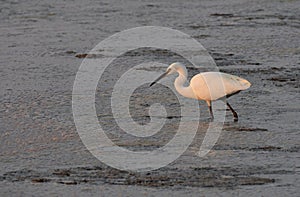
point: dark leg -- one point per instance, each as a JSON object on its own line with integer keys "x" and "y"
{"x": 235, "y": 116}
{"x": 210, "y": 110}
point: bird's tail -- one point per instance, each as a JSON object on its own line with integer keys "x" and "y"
{"x": 244, "y": 83}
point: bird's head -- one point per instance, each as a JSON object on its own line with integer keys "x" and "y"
{"x": 173, "y": 68}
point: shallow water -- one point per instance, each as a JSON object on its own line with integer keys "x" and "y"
{"x": 41, "y": 152}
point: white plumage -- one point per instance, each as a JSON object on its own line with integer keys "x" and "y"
{"x": 207, "y": 86}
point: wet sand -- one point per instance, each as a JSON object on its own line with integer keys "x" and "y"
{"x": 42, "y": 46}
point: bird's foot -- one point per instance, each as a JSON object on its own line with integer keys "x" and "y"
{"x": 235, "y": 119}
{"x": 212, "y": 119}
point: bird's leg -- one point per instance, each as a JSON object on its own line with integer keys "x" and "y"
{"x": 235, "y": 116}
{"x": 210, "y": 110}
{"x": 211, "y": 113}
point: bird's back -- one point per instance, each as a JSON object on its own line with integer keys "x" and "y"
{"x": 211, "y": 86}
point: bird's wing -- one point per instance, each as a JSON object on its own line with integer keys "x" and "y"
{"x": 216, "y": 85}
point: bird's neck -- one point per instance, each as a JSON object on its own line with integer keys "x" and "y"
{"x": 185, "y": 91}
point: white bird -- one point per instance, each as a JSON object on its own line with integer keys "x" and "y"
{"x": 207, "y": 86}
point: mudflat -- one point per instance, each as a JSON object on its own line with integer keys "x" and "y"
{"x": 43, "y": 45}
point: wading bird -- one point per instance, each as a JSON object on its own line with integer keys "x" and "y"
{"x": 207, "y": 86}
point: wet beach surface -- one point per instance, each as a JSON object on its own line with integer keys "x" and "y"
{"x": 43, "y": 45}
